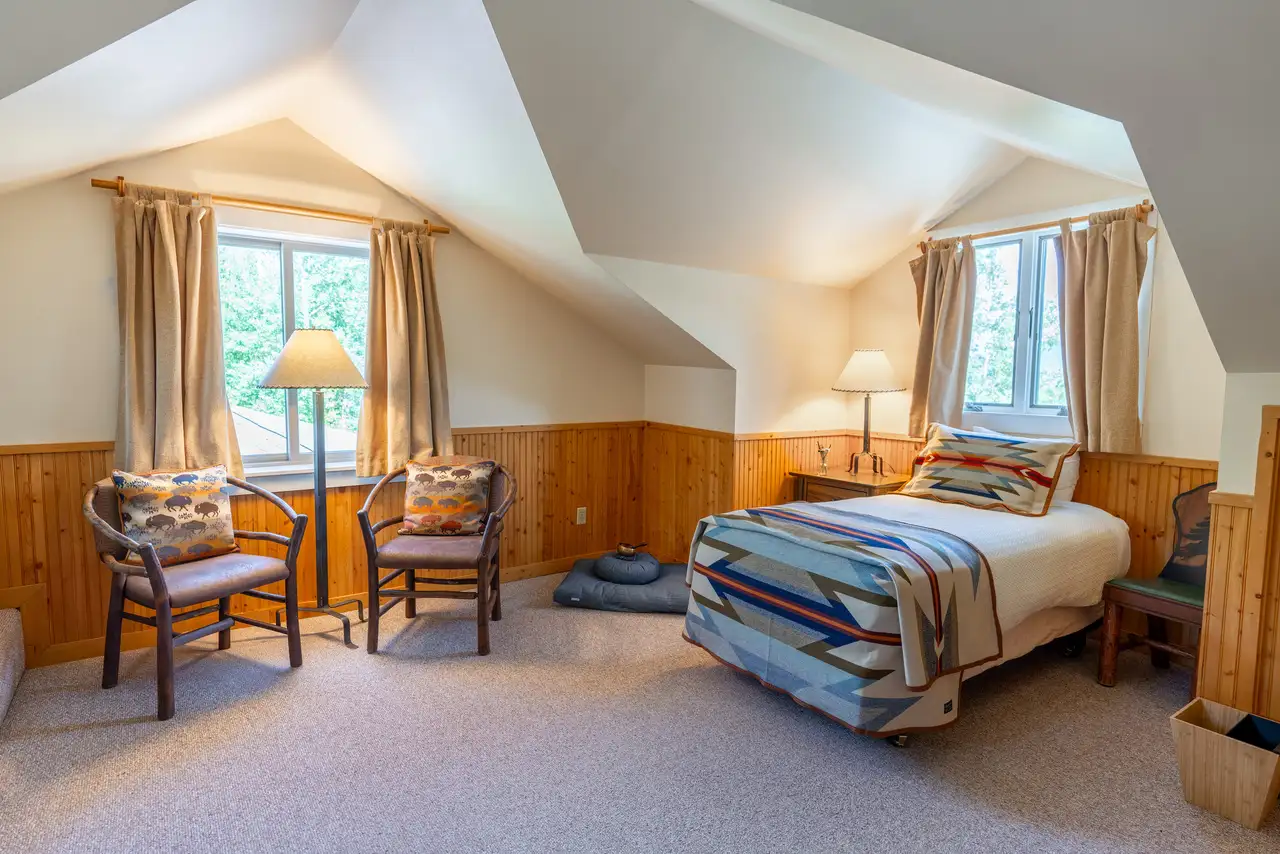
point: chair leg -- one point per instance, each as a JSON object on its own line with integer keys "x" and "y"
{"x": 292, "y": 623}
{"x": 1110, "y": 645}
{"x": 164, "y": 661}
{"x": 115, "y": 618}
{"x": 375, "y": 607}
{"x": 1158, "y": 630}
{"x": 482, "y": 611}
{"x": 497, "y": 590}
{"x": 410, "y": 583}
{"x": 224, "y": 610}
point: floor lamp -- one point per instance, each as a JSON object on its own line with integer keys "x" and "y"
{"x": 314, "y": 359}
{"x": 868, "y": 372}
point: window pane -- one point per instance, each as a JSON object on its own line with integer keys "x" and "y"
{"x": 1050, "y": 387}
{"x": 332, "y": 292}
{"x": 995, "y": 324}
{"x": 252, "y": 337}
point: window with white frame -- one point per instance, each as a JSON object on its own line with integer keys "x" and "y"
{"x": 269, "y": 287}
{"x": 1015, "y": 353}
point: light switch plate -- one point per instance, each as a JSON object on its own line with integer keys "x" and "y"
{"x": 582, "y": 516}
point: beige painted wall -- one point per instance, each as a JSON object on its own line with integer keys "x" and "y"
{"x": 787, "y": 342}
{"x": 1246, "y": 394}
{"x": 692, "y": 397}
{"x": 515, "y": 354}
{"x": 1185, "y": 381}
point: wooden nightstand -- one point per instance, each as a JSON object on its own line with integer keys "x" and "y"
{"x": 835, "y": 485}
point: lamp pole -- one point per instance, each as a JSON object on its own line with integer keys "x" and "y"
{"x": 323, "y": 605}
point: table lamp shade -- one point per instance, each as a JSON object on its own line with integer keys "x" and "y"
{"x": 313, "y": 358}
{"x": 868, "y": 372}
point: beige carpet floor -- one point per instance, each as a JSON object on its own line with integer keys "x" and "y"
{"x": 583, "y": 732}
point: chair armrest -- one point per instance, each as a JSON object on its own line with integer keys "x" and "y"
{"x": 278, "y": 539}
{"x": 378, "y": 487}
{"x": 100, "y": 525}
{"x": 493, "y": 524}
{"x": 280, "y": 503}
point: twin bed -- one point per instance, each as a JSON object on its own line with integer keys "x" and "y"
{"x": 872, "y": 611}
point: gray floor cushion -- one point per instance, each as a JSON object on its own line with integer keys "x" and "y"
{"x": 582, "y": 588}
{"x": 641, "y": 569}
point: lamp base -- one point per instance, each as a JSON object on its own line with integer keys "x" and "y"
{"x": 331, "y": 610}
{"x": 877, "y": 462}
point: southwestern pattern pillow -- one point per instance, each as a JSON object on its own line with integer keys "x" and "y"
{"x": 989, "y": 470}
{"x": 446, "y": 495}
{"x": 185, "y": 515}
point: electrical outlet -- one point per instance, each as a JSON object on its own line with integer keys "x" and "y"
{"x": 582, "y": 516}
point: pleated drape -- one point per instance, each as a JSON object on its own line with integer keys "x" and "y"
{"x": 406, "y": 406}
{"x": 1103, "y": 266}
{"x": 945, "y": 278}
{"x": 173, "y": 414}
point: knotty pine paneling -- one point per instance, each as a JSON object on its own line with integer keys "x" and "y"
{"x": 761, "y": 463}
{"x": 44, "y": 539}
{"x": 688, "y": 474}
{"x": 1224, "y": 603}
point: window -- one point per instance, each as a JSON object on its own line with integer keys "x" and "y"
{"x": 1015, "y": 353}
{"x": 269, "y": 288}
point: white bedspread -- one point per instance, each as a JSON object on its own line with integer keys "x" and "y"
{"x": 1060, "y": 559}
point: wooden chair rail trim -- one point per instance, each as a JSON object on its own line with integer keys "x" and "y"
{"x": 1231, "y": 499}
{"x": 55, "y": 448}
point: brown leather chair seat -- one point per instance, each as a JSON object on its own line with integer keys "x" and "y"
{"x": 411, "y": 551}
{"x": 209, "y": 578}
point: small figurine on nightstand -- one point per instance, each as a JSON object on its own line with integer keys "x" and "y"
{"x": 822, "y": 454}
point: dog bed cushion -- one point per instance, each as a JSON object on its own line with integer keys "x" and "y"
{"x": 641, "y": 569}
{"x": 582, "y": 588}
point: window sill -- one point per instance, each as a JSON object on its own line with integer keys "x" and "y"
{"x": 1020, "y": 424}
{"x": 300, "y": 477}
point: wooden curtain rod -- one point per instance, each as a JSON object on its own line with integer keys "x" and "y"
{"x": 1142, "y": 210}
{"x": 274, "y": 207}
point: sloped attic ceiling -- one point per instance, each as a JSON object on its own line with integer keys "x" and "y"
{"x": 733, "y": 135}
{"x": 39, "y": 38}
{"x": 1194, "y": 85}
{"x": 676, "y": 135}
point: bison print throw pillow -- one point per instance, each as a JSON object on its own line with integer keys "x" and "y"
{"x": 185, "y": 515}
{"x": 446, "y": 495}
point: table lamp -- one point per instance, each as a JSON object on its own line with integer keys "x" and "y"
{"x": 868, "y": 372}
{"x": 314, "y": 359}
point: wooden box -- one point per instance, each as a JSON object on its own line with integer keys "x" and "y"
{"x": 1236, "y": 780}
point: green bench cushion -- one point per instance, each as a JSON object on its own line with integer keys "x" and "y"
{"x": 1174, "y": 591}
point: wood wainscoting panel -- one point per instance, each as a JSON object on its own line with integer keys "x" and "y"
{"x": 688, "y": 474}
{"x": 44, "y": 539}
{"x": 1220, "y": 650}
{"x": 1140, "y": 490}
{"x": 761, "y": 462}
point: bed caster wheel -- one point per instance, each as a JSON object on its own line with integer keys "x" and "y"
{"x": 1073, "y": 645}
{"x": 898, "y": 741}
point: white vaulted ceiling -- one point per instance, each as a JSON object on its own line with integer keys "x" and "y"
{"x": 739, "y": 136}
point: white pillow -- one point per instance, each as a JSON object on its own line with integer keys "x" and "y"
{"x": 1067, "y": 480}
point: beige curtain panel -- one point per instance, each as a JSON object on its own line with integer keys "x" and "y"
{"x": 945, "y": 277}
{"x": 174, "y": 414}
{"x": 406, "y": 406}
{"x": 1103, "y": 266}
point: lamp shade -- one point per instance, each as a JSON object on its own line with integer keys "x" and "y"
{"x": 313, "y": 358}
{"x": 868, "y": 372}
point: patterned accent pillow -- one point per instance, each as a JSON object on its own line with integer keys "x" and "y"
{"x": 446, "y": 495}
{"x": 989, "y": 470}
{"x": 185, "y": 515}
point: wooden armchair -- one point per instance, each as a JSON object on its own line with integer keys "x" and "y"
{"x": 163, "y": 589}
{"x": 409, "y": 555}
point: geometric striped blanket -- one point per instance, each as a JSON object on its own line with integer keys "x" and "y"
{"x": 867, "y": 620}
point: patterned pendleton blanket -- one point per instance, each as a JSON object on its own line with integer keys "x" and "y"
{"x": 867, "y": 620}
